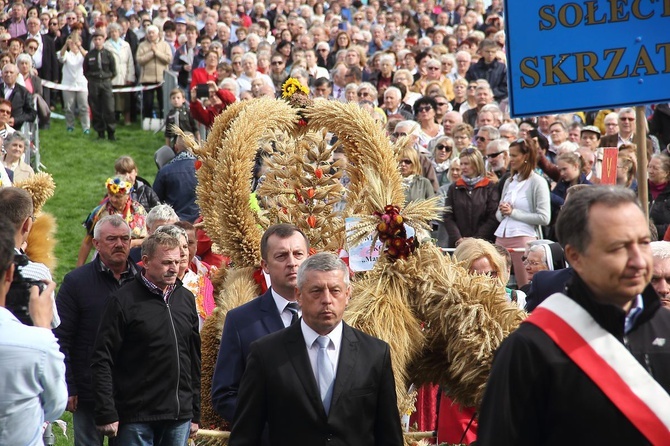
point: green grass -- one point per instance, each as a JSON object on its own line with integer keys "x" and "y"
{"x": 80, "y": 165}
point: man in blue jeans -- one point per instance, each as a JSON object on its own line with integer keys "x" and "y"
{"x": 146, "y": 360}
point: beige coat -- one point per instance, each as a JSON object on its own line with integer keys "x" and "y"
{"x": 153, "y": 64}
{"x": 125, "y": 66}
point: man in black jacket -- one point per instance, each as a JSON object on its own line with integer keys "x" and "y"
{"x": 490, "y": 69}
{"x": 81, "y": 300}
{"x": 21, "y": 99}
{"x": 146, "y": 360}
{"x": 100, "y": 68}
{"x": 584, "y": 367}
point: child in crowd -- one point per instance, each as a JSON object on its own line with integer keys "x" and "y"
{"x": 180, "y": 116}
{"x": 142, "y": 191}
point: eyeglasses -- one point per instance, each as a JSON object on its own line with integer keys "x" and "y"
{"x": 162, "y": 10}
{"x": 481, "y": 138}
{"x": 362, "y": 94}
{"x": 276, "y": 62}
{"x": 322, "y": 50}
{"x": 237, "y": 63}
{"x": 531, "y": 262}
{"x": 53, "y": 24}
{"x": 472, "y": 87}
{"x": 493, "y": 155}
{"x": 443, "y": 147}
{"x": 34, "y": 48}
{"x": 441, "y": 104}
{"x": 70, "y": 18}
{"x": 5, "y": 111}
{"x": 398, "y": 134}
{"x": 433, "y": 68}
{"x": 408, "y": 162}
{"x": 424, "y": 108}
{"x": 626, "y": 119}
{"x": 358, "y": 18}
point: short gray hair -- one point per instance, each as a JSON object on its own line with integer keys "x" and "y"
{"x": 492, "y": 131}
{"x": 572, "y": 225}
{"x": 322, "y": 261}
{"x": 499, "y": 145}
{"x": 660, "y": 250}
{"x": 115, "y": 220}
{"x": 25, "y": 57}
{"x": 114, "y": 27}
{"x": 17, "y": 136}
{"x": 162, "y": 212}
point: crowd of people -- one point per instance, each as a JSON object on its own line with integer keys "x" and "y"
{"x": 432, "y": 74}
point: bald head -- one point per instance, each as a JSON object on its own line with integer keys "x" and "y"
{"x": 451, "y": 119}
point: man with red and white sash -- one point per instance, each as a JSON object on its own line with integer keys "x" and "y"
{"x": 593, "y": 366}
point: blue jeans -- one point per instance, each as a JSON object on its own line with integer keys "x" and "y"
{"x": 155, "y": 433}
{"x": 85, "y": 433}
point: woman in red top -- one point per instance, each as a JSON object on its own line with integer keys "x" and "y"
{"x": 208, "y": 72}
{"x": 205, "y": 110}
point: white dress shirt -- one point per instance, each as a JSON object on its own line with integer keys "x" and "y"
{"x": 313, "y": 348}
{"x": 281, "y": 304}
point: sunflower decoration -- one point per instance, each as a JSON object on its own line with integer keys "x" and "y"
{"x": 303, "y": 187}
{"x": 298, "y": 96}
{"x": 118, "y": 185}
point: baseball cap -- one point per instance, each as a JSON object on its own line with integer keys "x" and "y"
{"x": 592, "y": 129}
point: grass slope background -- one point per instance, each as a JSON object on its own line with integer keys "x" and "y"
{"x": 80, "y": 165}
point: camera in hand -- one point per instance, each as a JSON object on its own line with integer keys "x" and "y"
{"x": 202, "y": 91}
{"x": 18, "y": 297}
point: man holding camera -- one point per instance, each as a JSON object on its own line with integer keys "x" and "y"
{"x": 32, "y": 372}
{"x": 17, "y": 205}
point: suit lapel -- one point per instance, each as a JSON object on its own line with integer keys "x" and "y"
{"x": 271, "y": 318}
{"x": 297, "y": 352}
{"x": 346, "y": 363}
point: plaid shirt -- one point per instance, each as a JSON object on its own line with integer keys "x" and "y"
{"x": 154, "y": 289}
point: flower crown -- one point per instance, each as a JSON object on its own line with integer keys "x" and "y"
{"x": 118, "y": 185}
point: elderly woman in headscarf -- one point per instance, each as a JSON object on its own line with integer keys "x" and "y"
{"x": 542, "y": 255}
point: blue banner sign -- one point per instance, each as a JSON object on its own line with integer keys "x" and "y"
{"x": 567, "y": 56}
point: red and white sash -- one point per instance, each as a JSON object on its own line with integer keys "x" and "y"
{"x": 608, "y": 363}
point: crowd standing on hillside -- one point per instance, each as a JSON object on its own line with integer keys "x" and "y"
{"x": 432, "y": 74}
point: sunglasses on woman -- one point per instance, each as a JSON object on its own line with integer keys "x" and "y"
{"x": 443, "y": 147}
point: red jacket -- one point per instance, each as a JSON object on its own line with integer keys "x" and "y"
{"x": 206, "y": 115}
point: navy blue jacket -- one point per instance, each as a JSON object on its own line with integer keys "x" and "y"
{"x": 546, "y": 283}
{"x": 175, "y": 185}
{"x": 244, "y": 325}
{"x": 81, "y": 300}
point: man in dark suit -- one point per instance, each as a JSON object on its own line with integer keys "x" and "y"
{"x": 45, "y": 57}
{"x": 319, "y": 381}
{"x": 283, "y": 249}
{"x": 22, "y": 101}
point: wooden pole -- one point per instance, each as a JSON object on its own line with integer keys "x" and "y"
{"x": 641, "y": 142}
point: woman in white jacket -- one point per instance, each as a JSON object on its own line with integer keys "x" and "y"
{"x": 125, "y": 69}
{"x": 75, "y": 96}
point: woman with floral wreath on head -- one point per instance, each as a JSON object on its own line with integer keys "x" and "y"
{"x": 117, "y": 201}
